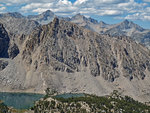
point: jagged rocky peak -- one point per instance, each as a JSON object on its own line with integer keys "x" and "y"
{"x": 126, "y": 21}
{"x": 48, "y": 13}
{"x": 78, "y": 17}
{"x": 125, "y": 28}
{"x": 93, "y": 20}
{"x": 12, "y": 14}
{"x": 126, "y": 24}
{"x": 17, "y": 24}
{"x": 4, "y": 42}
{"x": 44, "y": 14}
{"x": 102, "y": 24}
{"x": 43, "y": 18}
{"x": 81, "y": 19}
{"x": 72, "y": 47}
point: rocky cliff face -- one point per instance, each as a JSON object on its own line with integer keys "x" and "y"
{"x": 69, "y": 58}
{"x": 66, "y": 57}
{"x": 75, "y": 47}
{"x": 4, "y": 42}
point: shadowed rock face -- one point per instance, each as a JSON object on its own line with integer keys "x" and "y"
{"x": 3, "y": 64}
{"x": 4, "y": 42}
{"x": 13, "y": 50}
{"x": 72, "y": 48}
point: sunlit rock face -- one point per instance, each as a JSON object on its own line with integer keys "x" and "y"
{"x": 66, "y": 57}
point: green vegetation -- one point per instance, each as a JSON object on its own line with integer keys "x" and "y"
{"x": 3, "y": 108}
{"x": 113, "y": 103}
{"x": 50, "y": 92}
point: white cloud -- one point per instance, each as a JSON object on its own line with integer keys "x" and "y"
{"x": 137, "y": 16}
{"x": 116, "y": 8}
{"x": 79, "y": 2}
{"x": 34, "y": 6}
{"x": 146, "y": 0}
{"x": 108, "y": 7}
{"x": 2, "y": 8}
{"x": 64, "y": 2}
{"x": 26, "y": 1}
{"x": 146, "y": 17}
{"x": 111, "y": 12}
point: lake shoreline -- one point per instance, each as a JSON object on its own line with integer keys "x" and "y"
{"x": 19, "y": 100}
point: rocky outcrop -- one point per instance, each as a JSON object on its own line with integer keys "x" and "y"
{"x": 13, "y": 50}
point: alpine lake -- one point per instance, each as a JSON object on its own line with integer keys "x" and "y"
{"x": 27, "y": 100}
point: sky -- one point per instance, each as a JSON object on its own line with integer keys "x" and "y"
{"x": 109, "y": 11}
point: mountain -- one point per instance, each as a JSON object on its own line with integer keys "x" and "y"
{"x": 43, "y": 18}
{"x": 128, "y": 28}
{"x": 125, "y": 28}
{"x": 87, "y": 23}
{"x": 15, "y": 23}
{"x": 103, "y": 24}
{"x": 82, "y": 19}
{"x": 66, "y": 57}
{"x": 69, "y": 58}
{"x": 13, "y": 14}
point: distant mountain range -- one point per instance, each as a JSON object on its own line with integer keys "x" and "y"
{"x": 75, "y": 54}
{"x": 125, "y": 28}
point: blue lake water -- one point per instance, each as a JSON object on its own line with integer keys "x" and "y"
{"x": 20, "y": 100}
{"x": 70, "y": 95}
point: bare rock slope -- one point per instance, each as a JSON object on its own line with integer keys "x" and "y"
{"x": 69, "y": 58}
